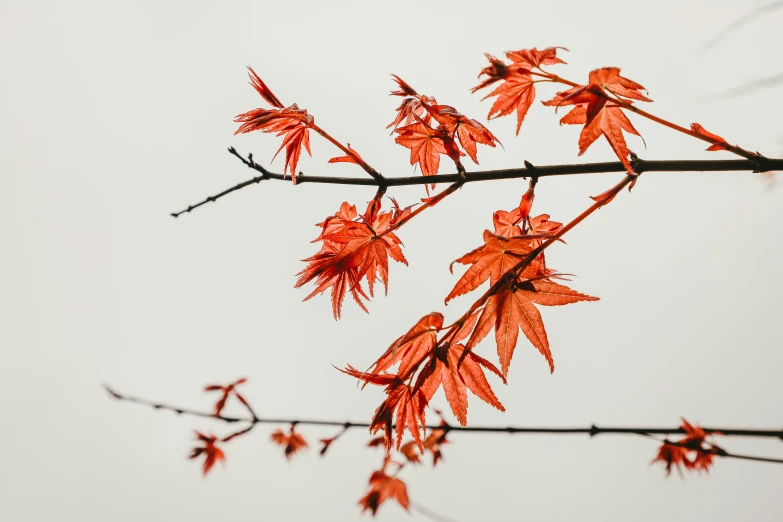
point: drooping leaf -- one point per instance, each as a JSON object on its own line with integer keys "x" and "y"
{"x": 292, "y": 441}
{"x": 458, "y": 370}
{"x": 403, "y": 408}
{"x": 382, "y": 488}
{"x": 355, "y": 248}
{"x": 693, "y": 452}
{"x": 513, "y": 308}
{"x": 410, "y": 349}
{"x": 212, "y": 454}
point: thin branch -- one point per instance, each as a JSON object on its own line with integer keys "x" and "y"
{"x": 715, "y": 450}
{"x": 749, "y": 87}
{"x": 429, "y": 513}
{"x": 348, "y": 152}
{"x": 739, "y": 22}
{"x": 591, "y": 430}
{"x": 742, "y": 165}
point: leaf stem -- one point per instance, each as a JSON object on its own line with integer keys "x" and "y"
{"x": 363, "y": 164}
{"x": 431, "y": 202}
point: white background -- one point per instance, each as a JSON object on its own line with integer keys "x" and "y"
{"x": 114, "y": 114}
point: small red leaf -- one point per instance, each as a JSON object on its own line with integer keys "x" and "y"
{"x": 720, "y": 142}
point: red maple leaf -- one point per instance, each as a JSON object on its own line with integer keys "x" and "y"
{"x": 721, "y": 145}
{"x": 412, "y": 348}
{"x": 513, "y": 308}
{"x": 209, "y": 449}
{"x": 533, "y": 58}
{"x": 693, "y": 452}
{"x": 382, "y": 488}
{"x": 354, "y": 248}
{"x": 292, "y": 441}
{"x": 412, "y": 105}
{"x": 517, "y": 90}
{"x": 467, "y": 131}
{"x": 491, "y": 261}
{"x": 226, "y": 392}
{"x": 290, "y": 122}
{"x": 426, "y": 145}
{"x": 507, "y": 224}
{"x": 457, "y": 370}
{"x": 403, "y": 407}
{"x": 432, "y": 443}
{"x": 427, "y": 142}
{"x": 596, "y": 109}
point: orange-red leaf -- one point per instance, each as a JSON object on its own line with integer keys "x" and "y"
{"x": 513, "y": 308}
{"x": 259, "y": 85}
{"x": 353, "y": 249}
{"x": 596, "y": 109}
{"x": 426, "y": 146}
{"x": 533, "y": 58}
{"x": 212, "y": 454}
{"x": 382, "y": 488}
{"x": 720, "y": 142}
{"x": 292, "y": 441}
{"x": 225, "y": 393}
{"x": 693, "y": 452}
{"x": 490, "y": 261}
{"x": 290, "y": 122}
{"x": 517, "y": 92}
{"x": 466, "y": 130}
{"x": 457, "y": 371}
{"x": 403, "y": 407}
{"x": 410, "y": 349}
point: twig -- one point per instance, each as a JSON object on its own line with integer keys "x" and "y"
{"x": 429, "y": 513}
{"x": 739, "y": 22}
{"x": 607, "y": 167}
{"x": 591, "y": 430}
{"x": 749, "y": 87}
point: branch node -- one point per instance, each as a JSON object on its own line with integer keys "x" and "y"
{"x": 637, "y": 163}
{"x": 762, "y": 162}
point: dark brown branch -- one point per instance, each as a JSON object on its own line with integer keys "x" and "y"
{"x": 765, "y": 165}
{"x": 592, "y": 430}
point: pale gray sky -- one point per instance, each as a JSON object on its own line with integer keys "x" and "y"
{"x": 114, "y": 114}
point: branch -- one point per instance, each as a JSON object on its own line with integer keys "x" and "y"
{"x": 591, "y": 430}
{"x": 739, "y": 22}
{"x": 490, "y": 175}
{"x": 749, "y": 87}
